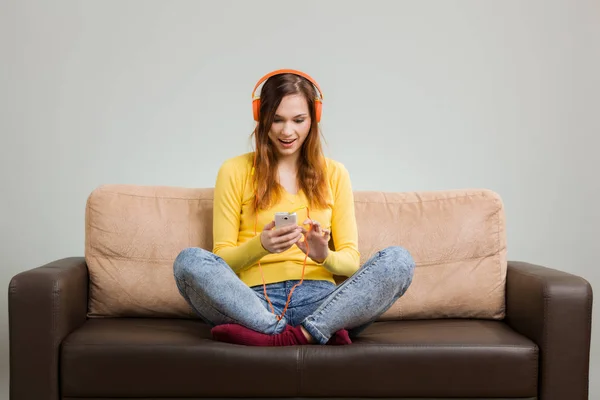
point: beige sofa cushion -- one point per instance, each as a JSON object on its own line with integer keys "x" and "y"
{"x": 457, "y": 238}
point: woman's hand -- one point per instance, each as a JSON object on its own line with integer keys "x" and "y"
{"x": 281, "y": 239}
{"x": 318, "y": 241}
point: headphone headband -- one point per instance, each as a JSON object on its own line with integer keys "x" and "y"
{"x": 256, "y": 99}
{"x": 287, "y": 71}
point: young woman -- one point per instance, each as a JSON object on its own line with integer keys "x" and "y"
{"x": 268, "y": 286}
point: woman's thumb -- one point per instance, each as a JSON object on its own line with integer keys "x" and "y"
{"x": 269, "y": 226}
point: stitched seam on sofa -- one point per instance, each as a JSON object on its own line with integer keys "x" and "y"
{"x": 423, "y": 264}
{"x": 299, "y": 375}
{"x": 438, "y": 262}
{"x": 474, "y": 195}
{"x": 154, "y": 260}
{"x": 498, "y": 250}
{"x": 189, "y": 226}
{"x": 545, "y": 332}
{"x": 55, "y": 313}
{"x": 450, "y": 346}
{"x": 537, "y": 276}
{"x": 88, "y": 232}
{"x": 535, "y": 373}
{"x": 386, "y": 345}
{"x": 545, "y": 298}
{"x": 158, "y": 196}
{"x": 426, "y": 201}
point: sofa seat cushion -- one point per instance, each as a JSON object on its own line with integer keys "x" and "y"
{"x": 177, "y": 358}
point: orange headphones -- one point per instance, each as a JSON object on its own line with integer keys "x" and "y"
{"x": 256, "y": 99}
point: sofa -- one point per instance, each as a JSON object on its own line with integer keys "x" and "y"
{"x": 110, "y": 324}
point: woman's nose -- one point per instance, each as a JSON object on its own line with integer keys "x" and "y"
{"x": 287, "y": 129}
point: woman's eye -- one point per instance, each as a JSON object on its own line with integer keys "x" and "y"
{"x": 298, "y": 121}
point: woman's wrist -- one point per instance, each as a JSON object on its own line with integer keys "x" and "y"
{"x": 321, "y": 260}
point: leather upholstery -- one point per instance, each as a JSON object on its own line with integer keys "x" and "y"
{"x": 540, "y": 351}
{"x": 169, "y": 357}
{"x": 45, "y": 305}
{"x": 554, "y": 309}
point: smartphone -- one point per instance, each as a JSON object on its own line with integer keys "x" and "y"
{"x": 284, "y": 219}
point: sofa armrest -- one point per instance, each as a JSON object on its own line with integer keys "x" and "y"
{"x": 45, "y": 304}
{"x": 554, "y": 309}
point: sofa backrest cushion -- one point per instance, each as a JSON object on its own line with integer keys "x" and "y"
{"x": 457, "y": 238}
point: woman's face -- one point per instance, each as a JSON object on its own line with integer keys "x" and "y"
{"x": 291, "y": 126}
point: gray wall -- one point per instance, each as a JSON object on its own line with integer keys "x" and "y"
{"x": 419, "y": 95}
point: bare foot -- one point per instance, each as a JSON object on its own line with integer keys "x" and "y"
{"x": 307, "y": 335}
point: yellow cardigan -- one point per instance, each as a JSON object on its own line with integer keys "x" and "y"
{"x": 233, "y": 227}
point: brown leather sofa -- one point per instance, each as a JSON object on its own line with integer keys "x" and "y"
{"x": 538, "y": 350}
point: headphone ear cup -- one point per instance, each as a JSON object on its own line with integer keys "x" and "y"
{"x": 318, "y": 108}
{"x": 255, "y": 108}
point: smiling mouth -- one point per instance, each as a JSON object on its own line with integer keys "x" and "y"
{"x": 287, "y": 141}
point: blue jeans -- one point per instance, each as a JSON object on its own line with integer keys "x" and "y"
{"x": 218, "y": 296}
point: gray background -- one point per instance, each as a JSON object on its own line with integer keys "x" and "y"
{"x": 419, "y": 95}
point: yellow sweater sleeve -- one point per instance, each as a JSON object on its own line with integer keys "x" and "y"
{"x": 345, "y": 260}
{"x": 228, "y": 195}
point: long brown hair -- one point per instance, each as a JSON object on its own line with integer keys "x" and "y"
{"x": 311, "y": 175}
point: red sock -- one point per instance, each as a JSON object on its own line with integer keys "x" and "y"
{"x": 238, "y": 334}
{"x": 340, "y": 338}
